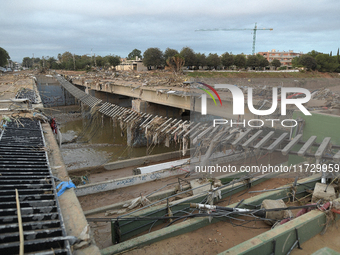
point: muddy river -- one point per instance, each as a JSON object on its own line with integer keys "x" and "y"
{"x": 92, "y": 140}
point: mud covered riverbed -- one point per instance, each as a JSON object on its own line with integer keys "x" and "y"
{"x": 90, "y": 141}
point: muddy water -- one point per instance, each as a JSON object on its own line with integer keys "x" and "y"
{"x": 99, "y": 140}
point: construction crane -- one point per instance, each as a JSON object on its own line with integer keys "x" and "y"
{"x": 230, "y": 29}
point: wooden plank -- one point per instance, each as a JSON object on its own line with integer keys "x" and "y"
{"x": 322, "y": 148}
{"x": 241, "y": 137}
{"x": 252, "y": 139}
{"x": 306, "y": 146}
{"x": 277, "y": 142}
{"x": 291, "y": 144}
{"x": 264, "y": 140}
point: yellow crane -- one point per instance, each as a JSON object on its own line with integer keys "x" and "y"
{"x": 230, "y": 29}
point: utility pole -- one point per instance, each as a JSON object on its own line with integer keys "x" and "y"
{"x": 74, "y": 63}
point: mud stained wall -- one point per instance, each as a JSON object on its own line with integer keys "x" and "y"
{"x": 52, "y": 94}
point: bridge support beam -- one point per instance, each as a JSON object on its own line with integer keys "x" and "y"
{"x": 156, "y": 109}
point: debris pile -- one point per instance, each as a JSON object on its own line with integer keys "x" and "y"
{"x": 332, "y": 98}
{"x": 29, "y": 94}
{"x": 149, "y": 79}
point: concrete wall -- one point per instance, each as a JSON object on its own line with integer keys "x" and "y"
{"x": 52, "y": 93}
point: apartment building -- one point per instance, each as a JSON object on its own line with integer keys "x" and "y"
{"x": 285, "y": 57}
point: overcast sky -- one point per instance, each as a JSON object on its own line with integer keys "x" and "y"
{"x": 46, "y": 28}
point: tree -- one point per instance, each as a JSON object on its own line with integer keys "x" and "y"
{"x": 85, "y": 62}
{"x": 66, "y": 57}
{"x": 201, "y": 60}
{"x": 227, "y": 59}
{"x": 296, "y": 62}
{"x": 50, "y": 62}
{"x": 189, "y": 56}
{"x": 313, "y": 53}
{"x": 100, "y": 61}
{"x": 175, "y": 63}
{"x": 308, "y": 61}
{"x": 113, "y": 60}
{"x": 168, "y": 53}
{"x": 153, "y": 57}
{"x": 338, "y": 57}
{"x": 253, "y": 61}
{"x": 4, "y": 57}
{"x": 67, "y": 60}
{"x": 276, "y": 63}
{"x": 135, "y": 53}
{"x": 326, "y": 63}
{"x": 240, "y": 61}
{"x": 213, "y": 60}
{"x": 263, "y": 61}
{"x": 27, "y": 62}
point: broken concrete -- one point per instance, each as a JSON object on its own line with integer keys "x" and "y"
{"x": 274, "y": 215}
{"x": 323, "y": 191}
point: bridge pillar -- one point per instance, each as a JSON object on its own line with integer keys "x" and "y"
{"x": 128, "y": 135}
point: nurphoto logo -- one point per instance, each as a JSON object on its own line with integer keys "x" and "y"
{"x": 238, "y": 104}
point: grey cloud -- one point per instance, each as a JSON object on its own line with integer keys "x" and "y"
{"x": 116, "y": 27}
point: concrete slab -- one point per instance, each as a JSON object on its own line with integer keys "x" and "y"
{"x": 320, "y": 192}
{"x": 197, "y": 183}
{"x": 142, "y": 160}
{"x": 274, "y": 215}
